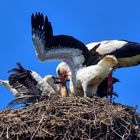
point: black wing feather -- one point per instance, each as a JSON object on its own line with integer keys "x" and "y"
{"x": 41, "y": 27}
{"x": 103, "y": 88}
{"x": 128, "y": 50}
{"x": 24, "y": 82}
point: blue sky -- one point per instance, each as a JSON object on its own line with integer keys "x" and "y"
{"x": 86, "y": 20}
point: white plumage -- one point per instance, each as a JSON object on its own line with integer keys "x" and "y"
{"x": 89, "y": 78}
{"x": 6, "y": 84}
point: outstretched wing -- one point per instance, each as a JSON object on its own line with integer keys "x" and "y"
{"x": 24, "y": 82}
{"x": 45, "y": 43}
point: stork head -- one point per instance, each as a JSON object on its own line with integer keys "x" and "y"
{"x": 63, "y": 72}
{"x": 53, "y": 82}
{"x": 50, "y": 47}
{"x": 50, "y": 79}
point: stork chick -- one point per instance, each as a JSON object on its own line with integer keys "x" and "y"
{"x": 27, "y": 85}
{"x": 63, "y": 75}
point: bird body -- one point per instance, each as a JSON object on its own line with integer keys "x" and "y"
{"x": 64, "y": 48}
{"x": 126, "y": 52}
{"x": 90, "y": 77}
{"x": 100, "y": 90}
{"x": 28, "y": 86}
{"x": 30, "y": 83}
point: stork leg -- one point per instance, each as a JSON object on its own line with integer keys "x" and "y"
{"x": 110, "y": 86}
{"x": 67, "y": 92}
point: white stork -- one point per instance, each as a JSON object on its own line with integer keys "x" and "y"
{"x": 29, "y": 82}
{"x": 27, "y": 85}
{"x": 63, "y": 72}
{"x": 49, "y": 47}
{"x": 34, "y": 96}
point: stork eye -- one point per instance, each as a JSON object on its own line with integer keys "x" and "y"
{"x": 59, "y": 73}
{"x": 53, "y": 77}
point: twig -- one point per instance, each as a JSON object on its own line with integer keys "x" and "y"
{"x": 7, "y": 133}
{"x": 38, "y": 126}
{"x": 116, "y": 133}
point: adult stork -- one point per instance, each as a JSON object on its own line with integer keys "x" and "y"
{"x": 67, "y": 49}
{"x": 126, "y": 52}
{"x": 63, "y": 72}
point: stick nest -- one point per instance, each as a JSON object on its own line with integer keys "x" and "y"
{"x": 71, "y": 118}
